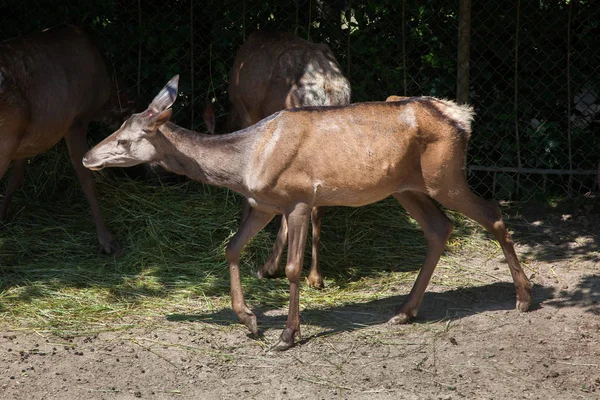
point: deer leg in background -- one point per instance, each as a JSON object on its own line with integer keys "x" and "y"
{"x": 437, "y": 228}
{"x": 462, "y": 199}
{"x": 271, "y": 267}
{"x": 8, "y": 146}
{"x": 598, "y": 176}
{"x": 4, "y": 164}
{"x": 297, "y": 231}
{"x": 255, "y": 221}
{"x": 315, "y": 279}
{"x": 245, "y": 210}
{"x": 77, "y": 144}
{"x": 14, "y": 182}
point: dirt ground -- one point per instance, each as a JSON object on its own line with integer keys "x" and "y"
{"x": 466, "y": 343}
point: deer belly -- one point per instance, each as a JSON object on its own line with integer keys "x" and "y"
{"x": 350, "y": 197}
{"x": 37, "y": 142}
{"x": 355, "y": 187}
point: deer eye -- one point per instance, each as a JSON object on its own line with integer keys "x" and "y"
{"x": 122, "y": 142}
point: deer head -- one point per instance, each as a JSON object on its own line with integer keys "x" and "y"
{"x": 133, "y": 143}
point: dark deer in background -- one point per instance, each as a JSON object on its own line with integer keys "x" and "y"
{"x": 52, "y": 84}
{"x": 271, "y": 72}
{"x": 413, "y": 149}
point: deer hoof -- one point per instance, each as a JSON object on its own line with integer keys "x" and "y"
{"x": 249, "y": 319}
{"x": 399, "y": 319}
{"x": 524, "y": 298}
{"x": 268, "y": 271}
{"x": 403, "y": 316}
{"x": 315, "y": 282}
{"x": 523, "y": 306}
{"x": 112, "y": 249}
{"x": 110, "y": 246}
{"x": 286, "y": 340}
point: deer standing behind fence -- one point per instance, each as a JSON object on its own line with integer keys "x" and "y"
{"x": 296, "y": 159}
{"x": 271, "y": 72}
{"x": 52, "y": 84}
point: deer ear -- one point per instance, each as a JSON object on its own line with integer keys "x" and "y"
{"x": 166, "y": 97}
{"x": 209, "y": 116}
{"x": 157, "y": 120}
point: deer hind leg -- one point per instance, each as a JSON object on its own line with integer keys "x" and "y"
{"x": 255, "y": 221}
{"x": 462, "y": 199}
{"x": 77, "y": 144}
{"x": 298, "y": 227}
{"x": 315, "y": 279}
{"x": 437, "y": 228}
{"x": 14, "y": 182}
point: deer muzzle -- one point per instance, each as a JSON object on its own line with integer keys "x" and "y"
{"x": 91, "y": 163}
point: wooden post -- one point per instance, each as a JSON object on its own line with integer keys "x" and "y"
{"x": 464, "y": 47}
{"x": 516, "y": 93}
{"x": 139, "y": 69}
{"x": 404, "y": 72}
{"x": 192, "y": 105}
{"x": 348, "y": 20}
{"x": 569, "y": 99}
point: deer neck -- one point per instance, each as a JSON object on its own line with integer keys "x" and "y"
{"x": 218, "y": 160}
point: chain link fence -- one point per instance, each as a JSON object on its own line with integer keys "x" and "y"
{"x": 534, "y": 82}
{"x": 532, "y": 73}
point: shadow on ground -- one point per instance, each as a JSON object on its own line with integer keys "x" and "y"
{"x": 559, "y": 230}
{"x": 586, "y": 294}
{"x": 451, "y": 304}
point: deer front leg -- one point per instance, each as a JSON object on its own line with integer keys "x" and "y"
{"x": 16, "y": 179}
{"x": 297, "y": 230}
{"x": 252, "y": 224}
{"x": 77, "y": 144}
{"x": 437, "y": 228}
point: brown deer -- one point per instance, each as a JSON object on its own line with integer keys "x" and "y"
{"x": 52, "y": 84}
{"x": 300, "y": 158}
{"x": 273, "y": 71}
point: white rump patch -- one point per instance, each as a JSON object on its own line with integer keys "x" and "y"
{"x": 462, "y": 114}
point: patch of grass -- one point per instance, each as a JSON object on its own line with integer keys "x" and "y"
{"x": 52, "y": 277}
